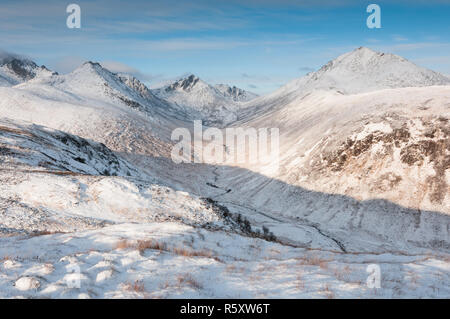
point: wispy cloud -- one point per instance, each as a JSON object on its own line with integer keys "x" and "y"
{"x": 66, "y": 64}
{"x": 118, "y": 67}
{"x": 399, "y": 38}
{"x": 5, "y": 55}
{"x": 417, "y": 46}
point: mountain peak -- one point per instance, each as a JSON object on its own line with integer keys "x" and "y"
{"x": 90, "y": 65}
{"x": 15, "y": 69}
{"x": 235, "y": 93}
{"x": 92, "y": 70}
{"x": 364, "y": 70}
{"x": 362, "y": 48}
{"x": 186, "y": 83}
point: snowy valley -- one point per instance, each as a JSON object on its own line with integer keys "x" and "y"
{"x": 92, "y": 205}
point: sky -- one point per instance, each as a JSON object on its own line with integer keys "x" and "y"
{"x": 258, "y": 45}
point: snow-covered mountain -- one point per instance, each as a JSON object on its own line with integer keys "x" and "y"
{"x": 365, "y": 70}
{"x": 369, "y": 126}
{"x": 15, "y": 70}
{"x": 91, "y": 80}
{"x": 376, "y": 163}
{"x": 235, "y": 93}
{"x": 95, "y": 104}
{"x": 215, "y": 105}
{"x": 86, "y": 179}
{"x": 359, "y": 71}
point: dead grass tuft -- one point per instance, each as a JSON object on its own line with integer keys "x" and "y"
{"x": 328, "y": 293}
{"x": 191, "y": 253}
{"x": 44, "y": 233}
{"x": 187, "y": 279}
{"x": 123, "y": 244}
{"x": 138, "y": 286}
{"x": 142, "y": 245}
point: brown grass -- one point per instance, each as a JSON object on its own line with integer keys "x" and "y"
{"x": 164, "y": 285}
{"x": 342, "y": 273}
{"x": 15, "y": 131}
{"x": 313, "y": 260}
{"x": 143, "y": 245}
{"x": 191, "y": 253}
{"x": 187, "y": 279}
{"x": 5, "y": 258}
{"x": 328, "y": 293}
{"x": 299, "y": 282}
{"x": 44, "y": 233}
{"x": 123, "y": 244}
{"x": 138, "y": 286}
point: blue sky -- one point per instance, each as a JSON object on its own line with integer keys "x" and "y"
{"x": 258, "y": 45}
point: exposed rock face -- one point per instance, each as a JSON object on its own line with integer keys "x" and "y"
{"x": 235, "y": 93}
{"x": 14, "y": 70}
{"x": 185, "y": 84}
{"x": 417, "y": 144}
{"x": 136, "y": 86}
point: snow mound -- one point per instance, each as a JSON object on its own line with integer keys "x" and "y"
{"x": 27, "y": 283}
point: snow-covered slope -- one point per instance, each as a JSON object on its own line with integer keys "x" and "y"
{"x": 31, "y": 147}
{"x": 15, "y": 70}
{"x": 354, "y": 155}
{"x": 58, "y": 176}
{"x": 359, "y": 71}
{"x": 215, "y": 105}
{"x": 368, "y": 125}
{"x": 170, "y": 260}
{"x": 376, "y": 163}
{"x": 72, "y": 232}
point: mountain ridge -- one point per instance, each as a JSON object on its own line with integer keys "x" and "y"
{"x": 15, "y": 70}
{"x": 364, "y": 70}
{"x": 211, "y": 104}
